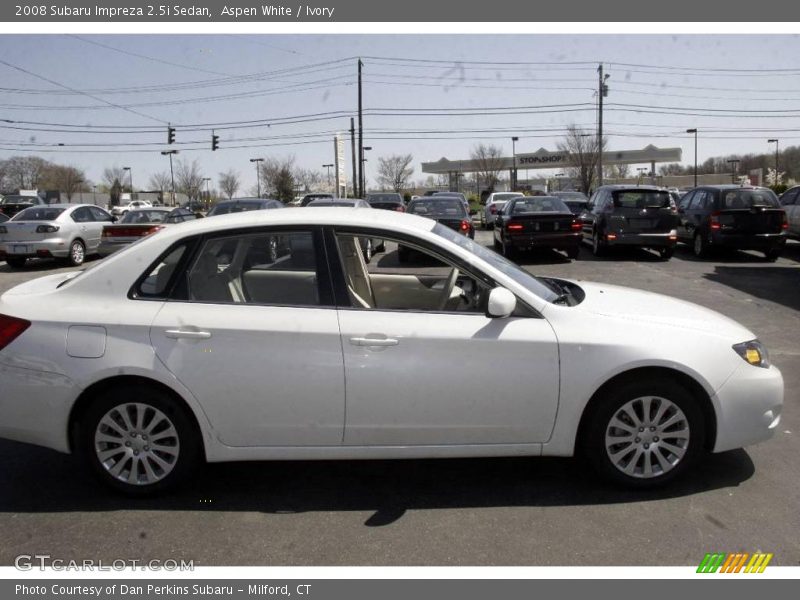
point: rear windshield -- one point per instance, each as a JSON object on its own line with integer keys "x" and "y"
{"x": 145, "y": 216}
{"x": 224, "y": 209}
{"x": 733, "y": 199}
{"x": 326, "y": 202}
{"x": 441, "y": 207}
{"x": 641, "y": 199}
{"x": 38, "y": 213}
{"x": 576, "y": 206}
{"x": 20, "y": 200}
{"x": 535, "y": 204}
{"x": 504, "y": 197}
{"x": 384, "y": 198}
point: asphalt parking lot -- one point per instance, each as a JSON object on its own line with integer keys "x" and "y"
{"x": 452, "y": 512}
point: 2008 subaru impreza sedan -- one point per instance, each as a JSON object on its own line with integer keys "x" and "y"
{"x": 266, "y": 336}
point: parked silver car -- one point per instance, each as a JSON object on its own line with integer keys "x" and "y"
{"x": 494, "y": 204}
{"x": 790, "y": 200}
{"x": 66, "y": 231}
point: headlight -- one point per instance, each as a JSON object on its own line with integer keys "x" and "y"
{"x": 753, "y": 352}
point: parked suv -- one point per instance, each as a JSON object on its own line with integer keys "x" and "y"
{"x": 733, "y": 216}
{"x": 625, "y": 215}
{"x": 790, "y": 200}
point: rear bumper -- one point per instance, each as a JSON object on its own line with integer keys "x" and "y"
{"x": 32, "y": 249}
{"x": 748, "y": 241}
{"x": 109, "y": 247}
{"x": 545, "y": 240}
{"x": 646, "y": 240}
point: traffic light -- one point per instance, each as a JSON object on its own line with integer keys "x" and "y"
{"x": 170, "y": 135}
{"x": 214, "y": 141}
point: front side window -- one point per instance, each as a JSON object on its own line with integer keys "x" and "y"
{"x": 263, "y": 268}
{"x": 407, "y": 278}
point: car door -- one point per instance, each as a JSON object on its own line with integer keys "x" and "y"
{"x": 100, "y": 219}
{"x": 85, "y": 225}
{"x": 791, "y": 204}
{"x": 683, "y": 216}
{"x": 589, "y": 215}
{"x": 254, "y": 335}
{"x": 697, "y": 213}
{"x": 425, "y": 366}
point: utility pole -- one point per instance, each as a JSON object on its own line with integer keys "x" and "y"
{"x": 775, "y": 141}
{"x": 602, "y": 91}
{"x": 360, "y": 137}
{"x": 353, "y": 145}
{"x": 694, "y": 131}
{"x": 258, "y": 174}
{"x": 171, "y": 172}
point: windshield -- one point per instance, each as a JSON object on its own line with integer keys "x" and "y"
{"x": 438, "y": 208}
{"x": 38, "y": 213}
{"x": 733, "y": 199}
{"x": 535, "y": 204}
{"x": 505, "y": 266}
{"x": 505, "y": 197}
{"x": 145, "y": 216}
{"x": 641, "y": 199}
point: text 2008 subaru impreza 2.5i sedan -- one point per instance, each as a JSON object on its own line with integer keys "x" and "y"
{"x": 203, "y": 343}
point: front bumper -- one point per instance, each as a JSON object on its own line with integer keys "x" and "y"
{"x": 748, "y": 407}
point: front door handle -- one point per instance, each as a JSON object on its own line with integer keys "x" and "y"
{"x": 176, "y": 334}
{"x": 381, "y": 342}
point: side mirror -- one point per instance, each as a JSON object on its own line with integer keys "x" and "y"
{"x": 501, "y": 303}
{"x": 113, "y": 219}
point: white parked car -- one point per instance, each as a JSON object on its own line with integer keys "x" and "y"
{"x": 66, "y": 231}
{"x": 200, "y": 344}
{"x": 494, "y": 204}
{"x": 122, "y": 209}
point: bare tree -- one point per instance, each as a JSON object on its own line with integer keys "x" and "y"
{"x": 112, "y": 175}
{"x": 66, "y": 179}
{"x": 489, "y": 163}
{"x": 310, "y": 180}
{"x": 395, "y": 171}
{"x": 24, "y": 172}
{"x": 621, "y": 171}
{"x": 189, "y": 178}
{"x": 229, "y": 182}
{"x": 161, "y": 181}
{"x": 582, "y": 150}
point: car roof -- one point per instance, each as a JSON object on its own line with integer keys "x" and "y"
{"x": 622, "y": 186}
{"x": 731, "y": 186}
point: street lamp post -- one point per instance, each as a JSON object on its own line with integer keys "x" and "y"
{"x": 514, "y": 141}
{"x": 258, "y": 174}
{"x": 775, "y": 141}
{"x": 130, "y": 179}
{"x": 363, "y": 183}
{"x": 329, "y": 172}
{"x": 171, "y": 172}
{"x": 558, "y": 179}
{"x": 734, "y": 162}
{"x": 694, "y": 131}
{"x": 208, "y": 191}
{"x": 642, "y": 171}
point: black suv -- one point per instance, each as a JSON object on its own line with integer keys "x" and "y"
{"x": 732, "y": 216}
{"x": 629, "y": 215}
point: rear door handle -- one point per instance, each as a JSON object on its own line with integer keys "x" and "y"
{"x": 382, "y": 342}
{"x": 189, "y": 335}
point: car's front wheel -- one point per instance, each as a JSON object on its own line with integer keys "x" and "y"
{"x": 699, "y": 246}
{"x": 644, "y": 433}
{"x": 139, "y": 440}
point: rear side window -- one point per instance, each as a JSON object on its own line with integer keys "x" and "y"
{"x": 38, "y": 213}
{"x": 741, "y": 199}
{"x": 641, "y": 199}
{"x": 790, "y": 197}
{"x": 155, "y": 283}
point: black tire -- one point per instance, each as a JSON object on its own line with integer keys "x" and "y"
{"x": 497, "y": 245}
{"x": 573, "y": 253}
{"x": 666, "y": 253}
{"x": 17, "y": 262}
{"x": 609, "y": 406}
{"x": 77, "y": 253}
{"x": 598, "y": 248}
{"x": 699, "y": 246}
{"x": 186, "y": 439}
{"x": 772, "y": 255}
{"x": 508, "y": 250}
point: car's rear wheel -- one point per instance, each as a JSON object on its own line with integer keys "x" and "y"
{"x": 17, "y": 262}
{"x": 644, "y": 433}
{"x": 573, "y": 253}
{"x": 699, "y": 246}
{"x": 666, "y": 253}
{"x": 77, "y": 253}
{"x": 598, "y": 248}
{"x": 772, "y": 255}
{"x": 508, "y": 250}
{"x": 139, "y": 440}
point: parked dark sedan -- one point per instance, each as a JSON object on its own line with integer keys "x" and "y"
{"x": 733, "y": 216}
{"x": 369, "y": 246}
{"x": 450, "y": 211}
{"x": 625, "y": 215}
{"x": 537, "y": 222}
{"x": 387, "y": 201}
{"x": 243, "y": 205}
{"x": 576, "y": 201}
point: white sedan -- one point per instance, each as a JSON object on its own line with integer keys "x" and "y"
{"x": 199, "y": 343}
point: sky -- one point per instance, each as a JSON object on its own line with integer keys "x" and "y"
{"x": 108, "y": 98}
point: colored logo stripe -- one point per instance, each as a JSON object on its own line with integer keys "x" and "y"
{"x": 733, "y": 563}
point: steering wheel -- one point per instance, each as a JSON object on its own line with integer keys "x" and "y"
{"x": 449, "y": 284}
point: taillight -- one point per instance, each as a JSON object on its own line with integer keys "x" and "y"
{"x": 465, "y": 225}
{"x": 10, "y": 329}
{"x": 713, "y": 221}
{"x": 400, "y": 208}
{"x": 515, "y": 227}
{"x": 576, "y": 226}
{"x": 785, "y": 221}
{"x": 611, "y": 236}
{"x": 47, "y": 229}
{"x": 493, "y": 209}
